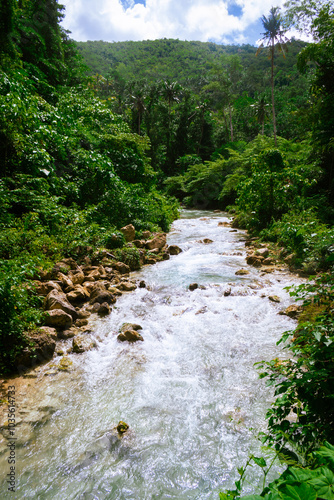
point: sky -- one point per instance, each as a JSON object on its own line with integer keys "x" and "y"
{"x": 218, "y": 21}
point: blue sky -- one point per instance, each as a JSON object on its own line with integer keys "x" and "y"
{"x": 219, "y": 21}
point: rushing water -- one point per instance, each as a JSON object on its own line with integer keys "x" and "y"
{"x": 189, "y": 392}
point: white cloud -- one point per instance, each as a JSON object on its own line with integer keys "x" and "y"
{"x": 113, "y": 20}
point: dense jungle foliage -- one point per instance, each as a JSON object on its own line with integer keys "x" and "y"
{"x": 87, "y": 147}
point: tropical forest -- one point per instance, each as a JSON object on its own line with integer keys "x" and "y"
{"x": 122, "y": 164}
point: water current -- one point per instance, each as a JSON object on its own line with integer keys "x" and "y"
{"x": 189, "y": 392}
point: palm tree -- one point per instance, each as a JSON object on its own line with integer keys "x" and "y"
{"x": 274, "y": 36}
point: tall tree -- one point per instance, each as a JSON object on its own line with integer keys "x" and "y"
{"x": 273, "y": 38}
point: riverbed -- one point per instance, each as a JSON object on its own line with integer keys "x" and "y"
{"x": 189, "y": 393}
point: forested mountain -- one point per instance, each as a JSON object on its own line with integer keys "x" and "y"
{"x": 84, "y": 151}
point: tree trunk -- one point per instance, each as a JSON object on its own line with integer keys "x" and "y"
{"x": 272, "y": 90}
{"x": 231, "y": 122}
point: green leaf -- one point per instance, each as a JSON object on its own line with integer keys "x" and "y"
{"x": 252, "y": 497}
{"x": 324, "y": 484}
{"x": 302, "y": 492}
{"x": 260, "y": 461}
{"x": 302, "y": 475}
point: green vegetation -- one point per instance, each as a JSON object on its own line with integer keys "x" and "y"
{"x": 87, "y": 149}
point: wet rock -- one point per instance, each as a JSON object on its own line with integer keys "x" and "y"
{"x": 77, "y": 277}
{"x": 207, "y": 241}
{"x": 139, "y": 243}
{"x": 102, "y": 296}
{"x": 78, "y": 295}
{"x": 263, "y": 252}
{"x": 274, "y": 298}
{"x": 174, "y": 250}
{"x": 68, "y": 333}
{"x": 45, "y": 288}
{"x": 41, "y": 351}
{"x": 104, "y": 309}
{"x": 142, "y": 284}
{"x": 121, "y": 268}
{"x": 129, "y": 232}
{"x": 165, "y": 256}
{"x": 82, "y": 343}
{"x": 58, "y": 300}
{"x": 65, "y": 364}
{"x": 115, "y": 291}
{"x": 150, "y": 260}
{"x": 66, "y": 282}
{"x": 159, "y": 241}
{"x": 129, "y": 336}
{"x": 227, "y": 292}
{"x": 242, "y": 272}
{"x": 59, "y": 319}
{"x": 223, "y": 224}
{"x": 127, "y": 286}
{"x": 81, "y": 322}
{"x": 292, "y": 311}
{"x": 52, "y": 332}
{"x": 268, "y": 261}
{"x": 122, "y": 427}
{"x": 82, "y": 314}
{"x": 193, "y": 286}
{"x": 254, "y": 260}
{"x": 130, "y": 326}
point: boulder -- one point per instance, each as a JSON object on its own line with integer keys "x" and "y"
{"x": 77, "y": 277}
{"x": 139, "y": 243}
{"x": 45, "y": 288}
{"x": 274, "y": 298}
{"x": 207, "y": 241}
{"x": 264, "y": 252}
{"x": 81, "y": 322}
{"x": 78, "y": 295}
{"x": 292, "y": 311}
{"x": 254, "y": 260}
{"x": 129, "y": 336}
{"x": 101, "y": 296}
{"x": 159, "y": 241}
{"x": 42, "y": 350}
{"x": 48, "y": 330}
{"x": 82, "y": 343}
{"x": 146, "y": 235}
{"x": 242, "y": 272}
{"x": 130, "y": 326}
{"x": 174, "y": 250}
{"x": 65, "y": 280}
{"x": 193, "y": 286}
{"x": 58, "y": 300}
{"x": 59, "y": 319}
{"x": 128, "y": 232}
{"x": 121, "y": 268}
{"x": 104, "y": 309}
{"x": 142, "y": 284}
{"x": 127, "y": 286}
{"x": 68, "y": 334}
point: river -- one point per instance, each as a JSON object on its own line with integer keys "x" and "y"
{"x": 189, "y": 392}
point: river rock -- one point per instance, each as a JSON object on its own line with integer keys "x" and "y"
{"x": 77, "y": 277}
{"x": 174, "y": 250}
{"x": 104, "y": 309}
{"x": 101, "y": 295}
{"x": 129, "y": 232}
{"x": 78, "y": 295}
{"x": 292, "y": 311}
{"x": 65, "y": 280}
{"x": 126, "y": 286}
{"x": 207, "y": 241}
{"x": 254, "y": 260}
{"x": 41, "y": 351}
{"x": 69, "y": 333}
{"x": 58, "y": 300}
{"x": 193, "y": 286}
{"x": 129, "y": 336}
{"x": 130, "y": 326}
{"x": 223, "y": 224}
{"x": 121, "y": 268}
{"x": 139, "y": 243}
{"x": 59, "y": 319}
{"x": 46, "y": 287}
{"x": 48, "y": 330}
{"x": 227, "y": 292}
{"x": 159, "y": 241}
{"x": 274, "y": 298}
{"x": 82, "y": 343}
{"x": 122, "y": 427}
{"x": 263, "y": 252}
{"x": 242, "y": 272}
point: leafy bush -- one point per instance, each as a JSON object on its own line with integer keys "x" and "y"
{"x": 129, "y": 256}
